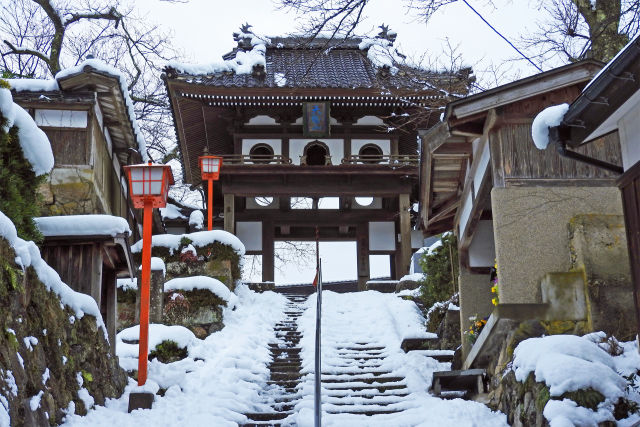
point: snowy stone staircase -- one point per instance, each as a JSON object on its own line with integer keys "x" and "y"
{"x": 356, "y": 382}
{"x": 282, "y": 391}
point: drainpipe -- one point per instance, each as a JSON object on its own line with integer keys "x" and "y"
{"x": 559, "y": 135}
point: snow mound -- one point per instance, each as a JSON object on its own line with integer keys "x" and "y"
{"x": 82, "y": 225}
{"x": 547, "y": 118}
{"x": 33, "y": 141}
{"x": 127, "y": 284}
{"x": 158, "y": 264}
{"x": 171, "y": 212}
{"x": 199, "y": 239}
{"x": 201, "y": 282}
{"x": 157, "y": 333}
{"x": 196, "y": 218}
{"x": 568, "y": 363}
{"x": 28, "y": 255}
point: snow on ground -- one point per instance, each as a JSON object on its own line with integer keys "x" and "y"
{"x": 28, "y": 255}
{"x": 384, "y": 319}
{"x": 215, "y": 384}
{"x": 33, "y": 141}
{"x": 568, "y": 363}
{"x": 198, "y": 239}
{"x": 82, "y": 225}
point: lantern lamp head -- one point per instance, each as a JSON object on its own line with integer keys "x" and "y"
{"x": 149, "y": 182}
{"x": 210, "y": 167}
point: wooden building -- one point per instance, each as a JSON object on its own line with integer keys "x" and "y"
{"x": 610, "y": 105}
{"x": 315, "y": 120}
{"x": 508, "y": 202}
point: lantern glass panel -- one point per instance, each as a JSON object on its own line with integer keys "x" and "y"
{"x": 155, "y": 182}
{"x": 136, "y": 181}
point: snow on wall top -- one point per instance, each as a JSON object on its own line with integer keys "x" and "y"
{"x": 199, "y": 239}
{"x": 82, "y": 225}
{"x": 547, "y": 118}
{"x": 37, "y": 85}
{"x": 33, "y": 141}
{"x": 157, "y": 333}
{"x": 28, "y": 255}
{"x": 171, "y": 212}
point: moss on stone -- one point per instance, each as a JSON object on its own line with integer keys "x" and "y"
{"x": 168, "y": 351}
{"x": 542, "y": 398}
{"x": 587, "y": 398}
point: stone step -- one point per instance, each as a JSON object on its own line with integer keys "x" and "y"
{"x": 409, "y": 344}
{"x": 267, "y": 416}
{"x": 372, "y": 348}
{"x": 364, "y": 357}
{"x": 360, "y": 386}
{"x": 357, "y": 373}
{"x": 285, "y": 384}
{"x": 285, "y": 376}
{"x": 367, "y": 412}
{"x": 367, "y": 394}
{"x": 288, "y": 367}
{"x": 471, "y": 380}
{"x": 277, "y": 348}
{"x": 360, "y": 379}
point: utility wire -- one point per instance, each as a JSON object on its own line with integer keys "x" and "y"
{"x": 503, "y": 37}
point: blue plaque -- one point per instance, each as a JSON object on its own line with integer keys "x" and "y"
{"x": 316, "y": 119}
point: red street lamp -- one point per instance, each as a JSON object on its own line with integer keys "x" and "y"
{"x": 210, "y": 168}
{"x": 148, "y": 187}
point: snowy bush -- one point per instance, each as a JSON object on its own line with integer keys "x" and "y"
{"x": 441, "y": 269}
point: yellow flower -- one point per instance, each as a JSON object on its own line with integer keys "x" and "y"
{"x": 494, "y": 289}
{"x": 494, "y": 301}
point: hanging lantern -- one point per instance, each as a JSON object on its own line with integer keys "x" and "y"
{"x": 149, "y": 183}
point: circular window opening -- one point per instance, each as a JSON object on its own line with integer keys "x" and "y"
{"x": 261, "y": 153}
{"x": 364, "y": 201}
{"x": 370, "y": 153}
{"x": 264, "y": 201}
{"x": 316, "y": 154}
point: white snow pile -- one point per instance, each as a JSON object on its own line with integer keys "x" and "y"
{"x": 414, "y": 277}
{"x": 547, "y": 118}
{"x": 242, "y": 63}
{"x": 567, "y": 363}
{"x": 33, "y": 141}
{"x": 28, "y": 255}
{"x": 198, "y": 239}
{"x": 214, "y": 385}
{"x": 171, "y": 212}
{"x": 381, "y": 53}
{"x": 82, "y": 225}
{"x": 201, "y": 282}
{"x": 380, "y": 320}
{"x": 196, "y": 218}
{"x": 433, "y": 247}
{"x": 158, "y": 264}
{"x": 36, "y": 85}
{"x": 127, "y": 284}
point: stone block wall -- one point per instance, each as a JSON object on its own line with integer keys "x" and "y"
{"x": 475, "y": 300}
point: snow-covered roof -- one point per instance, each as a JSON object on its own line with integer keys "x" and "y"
{"x": 65, "y": 80}
{"x": 82, "y": 225}
{"x": 33, "y": 141}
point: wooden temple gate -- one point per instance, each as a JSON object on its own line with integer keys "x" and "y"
{"x": 311, "y": 124}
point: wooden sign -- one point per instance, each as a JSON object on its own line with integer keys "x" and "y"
{"x": 316, "y": 119}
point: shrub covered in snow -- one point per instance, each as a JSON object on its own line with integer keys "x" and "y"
{"x": 440, "y": 265}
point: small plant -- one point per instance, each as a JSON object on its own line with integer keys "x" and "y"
{"x": 441, "y": 271}
{"x": 177, "y": 309}
{"x": 476, "y": 327}
{"x": 168, "y": 351}
{"x": 494, "y": 288}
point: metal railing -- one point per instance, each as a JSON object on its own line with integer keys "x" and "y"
{"x": 386, "y": 159}
{"x": 318, "y": 363}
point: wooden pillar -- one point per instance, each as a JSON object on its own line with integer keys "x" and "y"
{"x": 362, "y": 249}
{"x": 405, "y": 235}
{"x": 229, "y": 213}
{"x": 393, "y": 267}
{"x": 111, "y": 308}
{"x": 268, "y": 252}
{"x": 96, "y": 273}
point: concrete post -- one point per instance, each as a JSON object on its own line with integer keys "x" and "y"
{"x": 475, "y": 300}
{"x": 405, "y": 235}
{"x": 156, "y": 297}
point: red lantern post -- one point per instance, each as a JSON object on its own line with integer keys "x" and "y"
{"x": 210, "y": 168}
{"x": 148, "y": 187}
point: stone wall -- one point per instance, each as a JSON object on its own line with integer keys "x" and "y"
{"x": 475, "y": 300}
{"x": 46, "y": 351}
{"x": 531, "y": 232}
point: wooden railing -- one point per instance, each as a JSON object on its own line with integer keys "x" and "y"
{"x": 392, "y": 159}
{"x": 256, "y": 159}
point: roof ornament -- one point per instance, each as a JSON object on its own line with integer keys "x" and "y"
{"x": 243, "y": 38}
{"x": 387, "y": 34}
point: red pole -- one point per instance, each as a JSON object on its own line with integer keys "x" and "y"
{"x": 210, "y": 203}
{"x": 144, "y": 293}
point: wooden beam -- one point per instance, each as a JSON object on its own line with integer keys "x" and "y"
{"x": 405, "y": 234}
{"x": 268, "y": 252}
{"x": 229, "y": 213}
{"x": 318, "y": 188}
{"x": 362, "y": 257}
{"x": 312, "y": 217}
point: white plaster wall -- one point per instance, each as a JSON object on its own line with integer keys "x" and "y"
{"x": 261, "y": 120}
{"x": 384, "y": 144}
{"x": 482, "y": 250}
{"x": 275, "y": 144}
{"x": 250, "y": 234}
{"x": 61, "y": 118}
{"x": 417, "y": 239}
{"x": 336, "y": 149}
{"x": 369, "y": 121}
{"x": 629, "y": 128}
{"x": 382, "y": 236}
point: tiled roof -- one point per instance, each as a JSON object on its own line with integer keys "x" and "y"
{"x": 319, "y": 64}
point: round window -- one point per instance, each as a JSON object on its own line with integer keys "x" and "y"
{"x": 364, "y": 201}
{"x": 264, "y": 201}
{"x": 316, "y": 153}
{"x": 261, "y": 153}
{"x": 370, "y": 153}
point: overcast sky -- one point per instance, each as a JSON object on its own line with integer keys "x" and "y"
{"x": 202, "y": 30}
